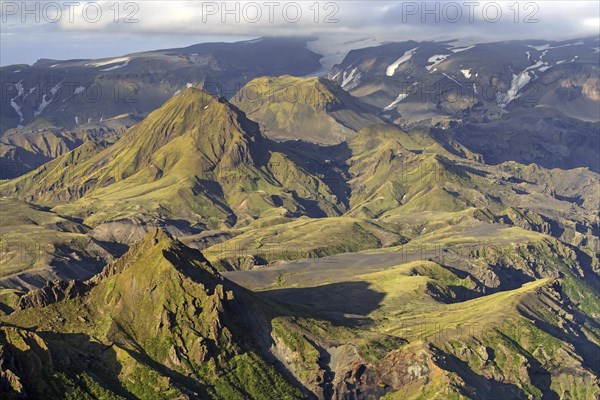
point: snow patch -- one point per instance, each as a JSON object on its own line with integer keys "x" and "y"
{"x": 45, "y": 102}
{"x": 20, "y": 89}
{"x": 518, "y": 82}
{"x": 542, "y": 47}
{"x": 17, "y": 109}
{"x": 436, "y": 59}
{"x": 524, "y": 77}
{"x": 352, "y": 77}
{"x": 459, "y": 49}
{"x": 400, "y": 97}
{"x": 108, "y": 62}
{"x": 115, "y": 67}
{"x": 452, "y": 79}
{"x": 405, "y": 57}
{"x": 548, "y": 46}
{"x": 13, "y": 103}
{"x": 55, "y": 89}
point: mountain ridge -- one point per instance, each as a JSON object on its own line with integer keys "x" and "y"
{"x": 161, "y": 301}
{"x": 185, "y": 146}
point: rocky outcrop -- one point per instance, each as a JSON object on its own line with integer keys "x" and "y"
{"x": 51, "y": 293}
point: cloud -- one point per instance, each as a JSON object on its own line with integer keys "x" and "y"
{"x": 60, "y": 25}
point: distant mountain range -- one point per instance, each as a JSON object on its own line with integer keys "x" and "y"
{"x": 408, "y": 83}
{"x": 79, "y": 92}
{"x": 415, "y": 81}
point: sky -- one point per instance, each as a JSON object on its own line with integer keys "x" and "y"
{"x": 66, "y": 29}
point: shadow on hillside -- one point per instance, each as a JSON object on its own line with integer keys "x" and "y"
{"x": 533, "y": 141}
{"x": 540, "y": 377}
{"x": 479, "y": 386}
{"x": 72, "y": 355}
{"x": 344, "y": 303}
{"x": 327, "y": 162}
{"x": 181, "y": 381}
{"x": 574, "y": 335}
{"x": 22, "y": 162}
{"x": 509, "y": 278}
{"x": 63, "y": 364}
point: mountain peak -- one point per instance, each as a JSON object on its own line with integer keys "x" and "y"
{"x": 166, "y": 305}
{"x": 157, "y": 234}
{"x": 163, "y": 251}
{"x": 196, "y": 157}
{"x": 157, "y": 252}
{"x": 194, "y": 94}
{"x": 317, "y": 92}
{"x": 312, "y": 109}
